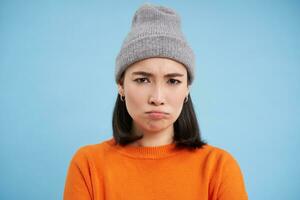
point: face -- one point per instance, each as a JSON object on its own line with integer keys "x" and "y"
{"x": 151, "y": 86}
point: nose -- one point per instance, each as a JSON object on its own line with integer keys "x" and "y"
{"x": 156, "y": 97}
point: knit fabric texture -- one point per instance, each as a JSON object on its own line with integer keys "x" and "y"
{"x": 155, "y": 32}
{"x": 106, "y": 171}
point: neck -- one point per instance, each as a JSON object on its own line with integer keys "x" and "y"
{"x": 150, "y": 139}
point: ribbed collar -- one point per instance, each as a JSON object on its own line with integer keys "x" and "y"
{"x": 155, "y": 152}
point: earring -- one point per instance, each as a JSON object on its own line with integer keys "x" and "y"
{"x": 186, "y": 99}
{"x": 121, "y": 97}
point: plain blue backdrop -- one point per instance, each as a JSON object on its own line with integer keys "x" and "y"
{"x": 58, "y": 91}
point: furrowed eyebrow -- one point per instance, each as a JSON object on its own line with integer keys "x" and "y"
{"x": 174, "y": 75}
{"x": 150, "y": 75}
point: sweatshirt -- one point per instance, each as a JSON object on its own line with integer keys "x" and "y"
{"x": 106, "y": 171}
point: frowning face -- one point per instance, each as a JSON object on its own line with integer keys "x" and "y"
{"x": 154, "y": 90}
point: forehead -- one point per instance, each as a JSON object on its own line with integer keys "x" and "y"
{"x": 157, "y": 66}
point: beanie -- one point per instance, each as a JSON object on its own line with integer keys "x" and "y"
{"x": 155, "y": 32}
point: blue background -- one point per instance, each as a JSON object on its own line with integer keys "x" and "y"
{"x": 57, "y": 87}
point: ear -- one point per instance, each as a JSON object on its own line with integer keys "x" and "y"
{"x": 187, "y": 91}
{"x": 120, "y": 89}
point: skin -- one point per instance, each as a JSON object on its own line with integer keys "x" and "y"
{"x": 154, "y": 91}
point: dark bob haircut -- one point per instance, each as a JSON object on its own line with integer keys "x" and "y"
{"x": 186, "y": 129}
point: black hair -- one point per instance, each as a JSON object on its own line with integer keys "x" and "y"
{"x": 186, "y": 129}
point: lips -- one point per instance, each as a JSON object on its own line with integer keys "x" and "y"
{"x": 156, "y": 111}
{"x": 157, "y": 115}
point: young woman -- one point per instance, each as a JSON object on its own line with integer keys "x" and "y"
{"x": 156, "y": 151}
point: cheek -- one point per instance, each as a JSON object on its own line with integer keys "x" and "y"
{"x": 134, "y": 99}
{"x": 176, "y": 101}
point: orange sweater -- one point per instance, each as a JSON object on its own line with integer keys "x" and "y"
{"x": 111, "y": 172}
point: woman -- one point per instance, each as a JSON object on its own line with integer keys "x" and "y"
{"x": 156, "y": 151}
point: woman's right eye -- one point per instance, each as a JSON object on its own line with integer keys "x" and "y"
{"x": 141, "y": 80}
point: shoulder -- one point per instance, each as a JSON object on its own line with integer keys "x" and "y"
{"x": 215, "y": 152}
{"x": 226, "y": 177}
{"x": 216, "y": 157}
{"x": 92, "y": 151}
{"x": 222, "y": 165}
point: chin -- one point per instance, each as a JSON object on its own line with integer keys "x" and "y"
{"x": 155, "y": 127}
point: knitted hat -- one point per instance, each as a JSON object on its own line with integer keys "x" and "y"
{"x": 155, "y": 32}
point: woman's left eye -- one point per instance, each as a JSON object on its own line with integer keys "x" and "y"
{"x": 174, "y": 81}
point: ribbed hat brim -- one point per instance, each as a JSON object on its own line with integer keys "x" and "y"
{"x": 155, "y": 46}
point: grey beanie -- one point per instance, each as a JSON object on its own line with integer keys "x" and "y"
{"x": 155, "y": 32}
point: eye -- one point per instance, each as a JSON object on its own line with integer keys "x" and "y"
{"x": 141, "y": 80}
{"x": 174, "y": 81}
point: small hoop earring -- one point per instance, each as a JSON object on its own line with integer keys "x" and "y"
{"x": 186, "y": 99}
{"x": 121, "y": 97}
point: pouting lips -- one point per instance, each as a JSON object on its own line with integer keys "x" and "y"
{"x": 157, "y": 115}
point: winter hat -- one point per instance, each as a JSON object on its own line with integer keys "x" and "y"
{"x": 155, "y": 32}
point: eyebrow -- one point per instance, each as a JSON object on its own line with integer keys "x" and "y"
{"x": 151, "y": 75}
